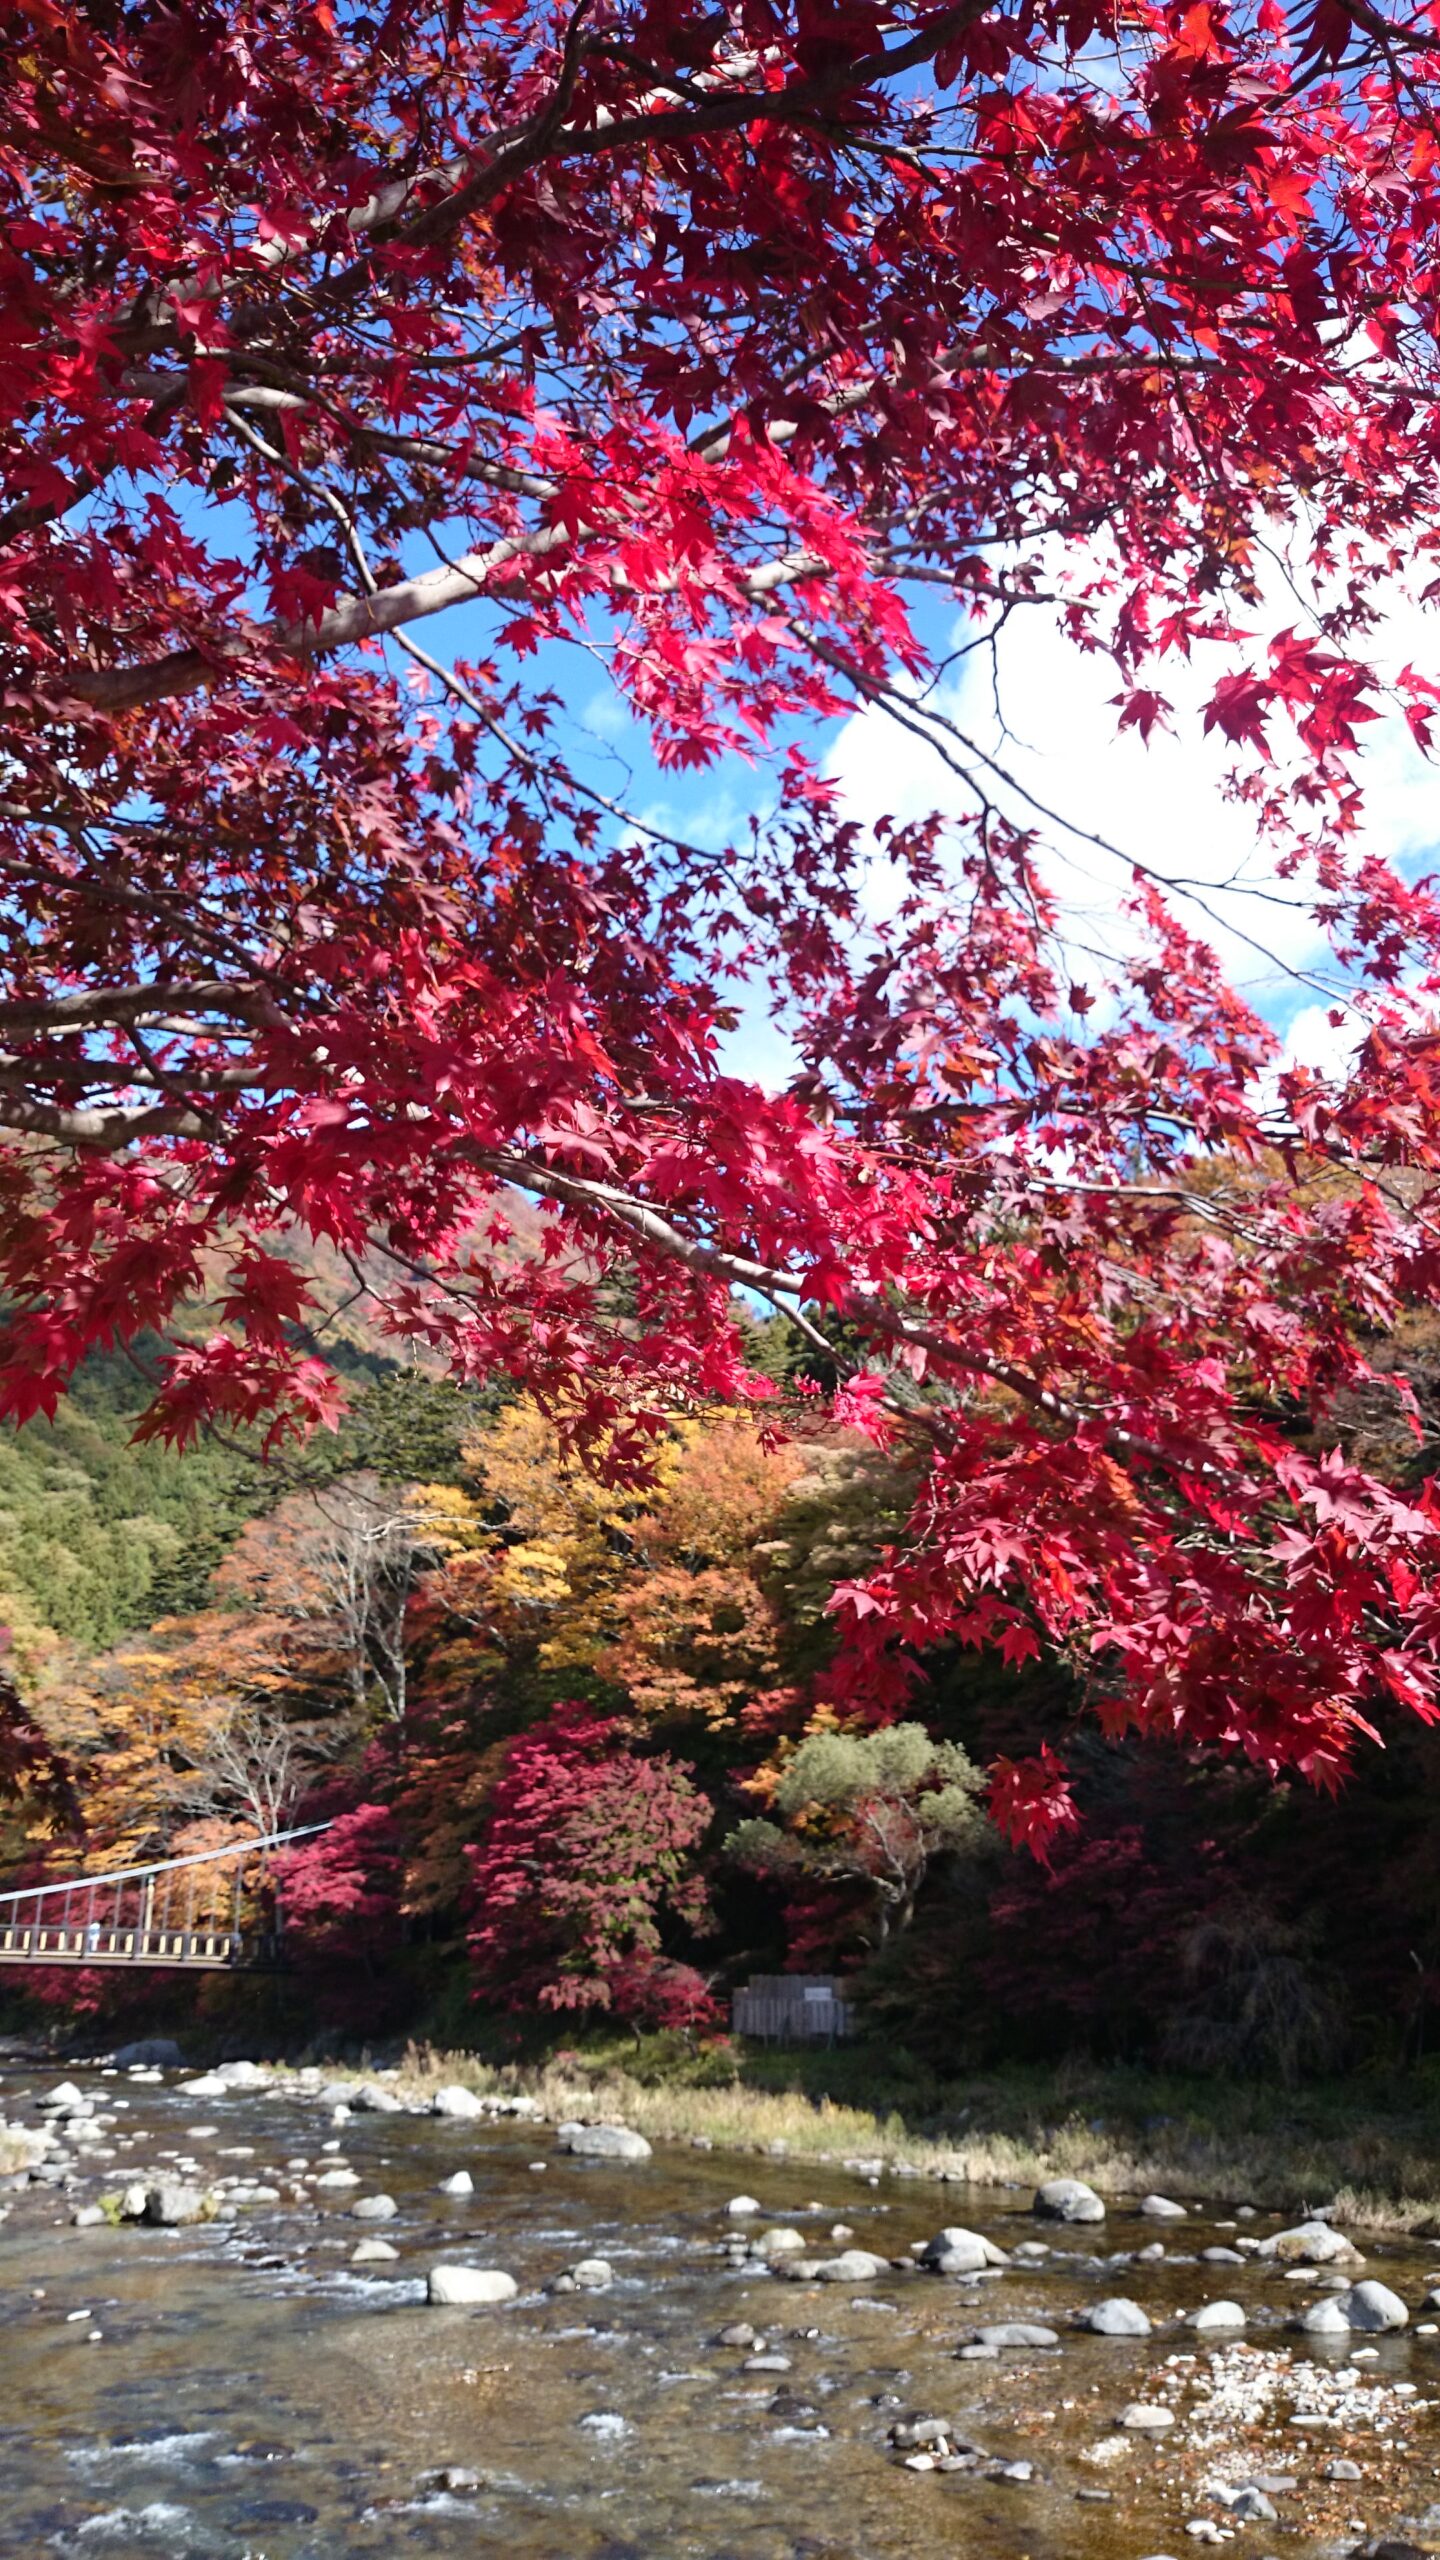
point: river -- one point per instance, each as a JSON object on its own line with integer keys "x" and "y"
{"x": 238, "y": 2390}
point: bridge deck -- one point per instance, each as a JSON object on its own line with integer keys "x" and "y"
{"x": 210, "y": 1911}
{"x": 97, "y": 1944}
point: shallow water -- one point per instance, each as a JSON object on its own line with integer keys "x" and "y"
{"x": 252, "y": 2396}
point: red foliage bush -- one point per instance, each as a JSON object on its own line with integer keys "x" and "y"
{"x": 588, "y": 1848}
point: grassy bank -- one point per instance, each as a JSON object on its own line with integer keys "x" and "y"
{"x": 1370, "y": 2148}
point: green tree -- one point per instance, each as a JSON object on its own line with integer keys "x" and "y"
{"x": 876, "y": 1808}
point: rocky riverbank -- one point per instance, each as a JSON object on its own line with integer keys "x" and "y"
{"x": 1124, "y": 2376}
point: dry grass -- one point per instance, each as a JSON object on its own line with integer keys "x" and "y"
{"x": 1379, "y": 2174}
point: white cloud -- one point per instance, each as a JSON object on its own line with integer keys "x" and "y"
{"x": 1163, "y": 804}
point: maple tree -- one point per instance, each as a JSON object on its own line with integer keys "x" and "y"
{"x": 584, "y": 1853}
{"x": 704, "y": 341}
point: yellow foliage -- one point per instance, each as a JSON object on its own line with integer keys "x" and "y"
{"x": 450, "y": 1520}
{"x": 133, "y": 1721}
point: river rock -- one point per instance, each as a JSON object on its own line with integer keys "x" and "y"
{"x": 1163, "y": 2209}
{"x": 603, "y": 2142}
{"x": 169, "y": 2200}
{"x": 335, "y": 2178}
{"x": 88, "y": 2216}
{"x": 453, "y": 2100}
{"x": 1147, "y": 2418}
{"x": 1311, "y": 2244}
{"x": 1117, "y": 2318}
{"x": 242, "y": 2075}
{"x": 462, "y": 2184}
{"x": 150, "y": 2053}
{"x": 209, "y": 2085}
{"x": 853, "y": 2266}
{"x": 778, "y": 2242}
{"x": 740, "y": 2206}
{"x": 373, "y": 2253}
{"x": 956, "y": 2252}
{"x": 64, "y": 2099}
{"x": 471, "y": 2284}
{"x": 1327, "y": 2319}
{"x": 374, "y": 2209}
{"x": 593, "y": 2275}
{"x": 1016, "y": 2333}
{"x": 1373, "y": 2306}
{"x": 23, "y": 2146}
{"x": 1216, "y": 2315}
{"x": 1068, "y": 2200}
{"x": 372, "y": 2100}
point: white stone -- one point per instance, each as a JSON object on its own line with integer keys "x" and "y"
{"x": 1311, "y": 2244}
{"x": 603, "y": 2141}
{"x": 1147, "y": 2418}
{"x": 853, "y": 2266}
{"x": 739, "y": 2206}
{"x": 1217, "y": 2315}
{"x": 1068, "y": 2200}
{"x": 1161, "y": 2209}
{"x": 209, "y": 2085}
{"x": 471, "y": 2284}
{"x": 1117, "y": 2318}
{"x": 957, "y": 2252}
{"x": 779, "y": 2242}
{"x": 1327, "y": 2319}
{"x": 1373, "y": 2306}
{"x": 453, "y": 2100}
{"x": 462, "y": 2184}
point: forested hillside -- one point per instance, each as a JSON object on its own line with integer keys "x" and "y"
{"x": 578, "y": 1748}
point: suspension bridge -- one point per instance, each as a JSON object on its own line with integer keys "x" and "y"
{"x": 216, "y": 1909}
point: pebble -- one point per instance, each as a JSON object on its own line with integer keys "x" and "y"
{"x": 1147, "y": 2417}
{"x": 462, "y": 2184}
{"x": 1217, "y": 2315}
{"x": 374, "y": 2209}
{"x": 739, "y": 2206}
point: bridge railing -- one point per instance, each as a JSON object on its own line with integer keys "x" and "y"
{"x": 196, "y": 1910}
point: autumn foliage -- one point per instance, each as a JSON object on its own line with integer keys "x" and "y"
{"x": 705, "y": 345}
{"x": 587, "y": 1847}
